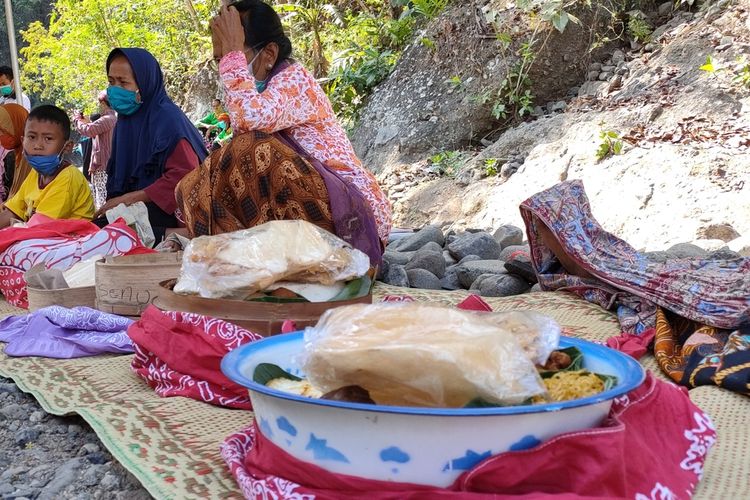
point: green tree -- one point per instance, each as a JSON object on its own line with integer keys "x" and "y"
{"x": 64, "y": 61}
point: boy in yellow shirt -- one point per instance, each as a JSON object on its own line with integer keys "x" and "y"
{"x": 53, "y": 188}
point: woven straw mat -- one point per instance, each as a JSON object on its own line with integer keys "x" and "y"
{"x": 172, "y": 444}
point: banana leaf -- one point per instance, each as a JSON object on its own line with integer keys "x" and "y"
{"x": 355, "y": 289}
{"x": 265, "y": 372}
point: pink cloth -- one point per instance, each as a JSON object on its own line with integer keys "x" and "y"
{"x": 652, "y": 446}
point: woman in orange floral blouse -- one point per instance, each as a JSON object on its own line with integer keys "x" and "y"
{"x": 289, "y": 157}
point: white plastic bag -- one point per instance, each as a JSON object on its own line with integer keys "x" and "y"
{"x": 238, "y": 264}
{"x": 410, "y": 354}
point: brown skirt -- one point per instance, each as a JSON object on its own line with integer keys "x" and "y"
{"x": 253, "y": 179}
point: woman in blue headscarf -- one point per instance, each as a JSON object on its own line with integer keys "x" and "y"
{"x": 154, "y": 144}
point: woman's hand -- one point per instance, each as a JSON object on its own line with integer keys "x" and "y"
{"x": 126, "y": 199}
{"x": 227, "y": 33}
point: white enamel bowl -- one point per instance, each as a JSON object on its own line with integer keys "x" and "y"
{"x": 430, "y": 446}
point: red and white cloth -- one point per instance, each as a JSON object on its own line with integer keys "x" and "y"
{"x": 652, "y": 446}
{"x": 179, "y": 354}
{"x": 59, "y": 244}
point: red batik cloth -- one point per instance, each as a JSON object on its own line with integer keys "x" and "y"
{"x": 652, "y": 446}
{"x": 179, "y": 354}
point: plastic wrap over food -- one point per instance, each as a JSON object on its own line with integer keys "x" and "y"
{"x": 410, "y": 354}
{"x": 537, "y": 334}
{"x": 238, "y": 264}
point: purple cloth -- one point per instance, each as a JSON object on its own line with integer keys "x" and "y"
{"x": 352, "y": 216}
{"x": 59, "y": 332}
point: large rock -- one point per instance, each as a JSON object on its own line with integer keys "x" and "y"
{"x": 723, "y": 232}
{"x": 724, "y": 253}
{"x": 428, "y": 260}
{"x": 500, "y": 285}
{"x": 397, "y": 258}
{"x": 420, "y": 278}
{"x": 426, "y": 103}
{"x": 470, "y": 271}
{"x": 432, "y": 246}
{"x": 419, "y": 239}
{"x": 469, "y": 258}
{"x": 448, "y": 258}
{"x": 514, "y": 251}
{"x": 522, "y": 267}
{"x": 480, "y": 244}
{"x": 686, "y": 251}
{"x": 508, "y": 235}
{"x": 450, "y": 280}
{"x": 396, "y": 276}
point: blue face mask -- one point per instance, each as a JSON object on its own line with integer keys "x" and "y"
{"x": 44, "y": 164}
{"x": 122, "y": 100}
{"x": 260, "y": 85}
{"x": 6, "y": 90}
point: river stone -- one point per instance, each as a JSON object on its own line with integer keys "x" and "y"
{"x": 470, "y": 271}
{"x": 450, "y": 280}
{"x": 431, "y": 246}
{"x": 448, "y": 258}
{"x": 521, "y": 267}
{"x": 508, "y": 235}
{"x": 397, "y": 258}
{"x": 396, "y": 276}
{"x": 536, "y": 288}
{"x": 481, "y": 244}
{"x": 511, "y": 252}
{"x": 421, "y": 278}
{"x": 469, "y": 258}
{"x": 686, "y": 251}
{"x": 501, "y": 285}
{"x": 724, "y": 253}
{"x": 419, "y": 239}
{"x": 428, "y": 260}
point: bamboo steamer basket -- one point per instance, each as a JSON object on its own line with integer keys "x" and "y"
{"x": 126, "y": 285}
{"x": 66, "y": 297}
{"x": 264, "y": 318}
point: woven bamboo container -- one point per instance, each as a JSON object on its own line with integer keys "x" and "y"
{"x": 66, "y": 297}
{"x": 126, "y": 285}
{"x": 264, "y": 318}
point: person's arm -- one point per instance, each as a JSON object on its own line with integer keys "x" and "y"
{"x": 182, "y": 161}
{"x": 6, "y": 218}
{"x": 289, "y": 101}
{"x": 100, "y": 126}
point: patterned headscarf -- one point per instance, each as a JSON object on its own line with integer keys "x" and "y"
{"x": 12, "y": 124}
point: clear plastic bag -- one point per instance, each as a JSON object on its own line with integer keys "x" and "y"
{"x": 238, "y": 264}
{"x": 410, "y": 354}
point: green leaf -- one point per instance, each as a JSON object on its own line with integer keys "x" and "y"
{"x": 709, "y": 66}
{"x": 265, "y": 372}
{"x": 354, "y": 289}
{"x": 560, "y": 20}
{"x": 576, "y": 362}
{"x": 617, "y": 147}
{"x": 609, "y": 380}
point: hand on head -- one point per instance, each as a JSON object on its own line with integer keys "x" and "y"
{"x": 227, "y": 33}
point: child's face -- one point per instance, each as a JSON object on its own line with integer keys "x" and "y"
{"x": 42, "y": 138}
